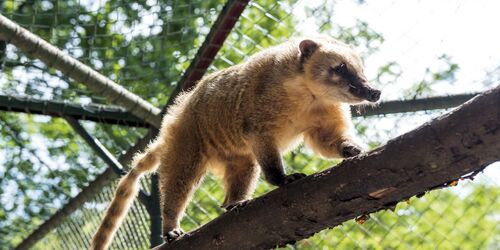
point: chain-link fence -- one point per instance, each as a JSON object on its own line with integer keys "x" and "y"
{"x": 412, "y": 49}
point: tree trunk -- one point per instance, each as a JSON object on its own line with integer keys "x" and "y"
{"x": 451, "y": 146}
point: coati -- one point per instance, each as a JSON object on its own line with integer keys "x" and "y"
{"x": 239, "y": 121}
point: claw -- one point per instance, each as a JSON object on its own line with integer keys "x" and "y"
{"x": 237, "y": 206}
{"x": 350, "y": 150}
{"x": 173, "y": 235}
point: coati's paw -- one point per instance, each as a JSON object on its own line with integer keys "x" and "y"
{"x": 237, "y": 206}
{"x": 349, "y": 149}
{"x": 173, "y": 235}
{"x": 293, "y": 177}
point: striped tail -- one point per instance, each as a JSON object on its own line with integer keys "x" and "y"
{"x": 124, "y": 196}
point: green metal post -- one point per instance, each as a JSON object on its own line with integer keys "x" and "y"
{"x": 155, "y": 213}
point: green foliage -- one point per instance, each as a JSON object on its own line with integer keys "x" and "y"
{"x": 34, "y": 186}
{"x": 444, "y": 73}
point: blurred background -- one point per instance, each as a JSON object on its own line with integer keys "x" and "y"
{"x": 412, "y": 49}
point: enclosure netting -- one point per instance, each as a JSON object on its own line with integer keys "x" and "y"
{"x": 145, "y": 46}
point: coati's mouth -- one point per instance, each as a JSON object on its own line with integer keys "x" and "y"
{"x": 364, "y": 92}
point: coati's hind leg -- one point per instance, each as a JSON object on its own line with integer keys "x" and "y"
{"x": 179, "y": 173}
{"x": 240, "y": 179}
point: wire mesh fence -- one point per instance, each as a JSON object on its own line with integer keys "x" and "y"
{"x": 134, "y": 44}
{"x": 77, "y": 230}
{"x": 146, "y": 45}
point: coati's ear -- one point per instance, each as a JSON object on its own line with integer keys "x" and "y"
{"x": 307, "y": 48}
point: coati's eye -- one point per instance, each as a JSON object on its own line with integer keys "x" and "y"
{"x": 341, "y": 69}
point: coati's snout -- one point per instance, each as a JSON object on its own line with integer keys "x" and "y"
{"x": 364, "y": 91}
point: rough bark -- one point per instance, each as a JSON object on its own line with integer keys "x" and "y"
{"x": 451, "y": 146}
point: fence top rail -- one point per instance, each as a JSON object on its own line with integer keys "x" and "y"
{"x": 108, "y": 114}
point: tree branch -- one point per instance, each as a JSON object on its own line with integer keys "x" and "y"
{"x": 451, "y": 146}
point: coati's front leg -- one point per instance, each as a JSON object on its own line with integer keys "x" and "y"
{"x": 331, "y": 141}
{"x": 270, "y": 161}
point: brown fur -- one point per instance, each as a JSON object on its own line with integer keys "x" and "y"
{"x": 243, "y": 117}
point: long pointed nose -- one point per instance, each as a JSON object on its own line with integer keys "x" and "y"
{"x": 362, "y": 89}
{"x": 373, "y": 95}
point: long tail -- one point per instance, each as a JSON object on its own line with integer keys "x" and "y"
{"x": 124, "y": 196}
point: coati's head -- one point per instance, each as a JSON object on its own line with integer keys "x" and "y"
{"x": 334, "y": 70}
